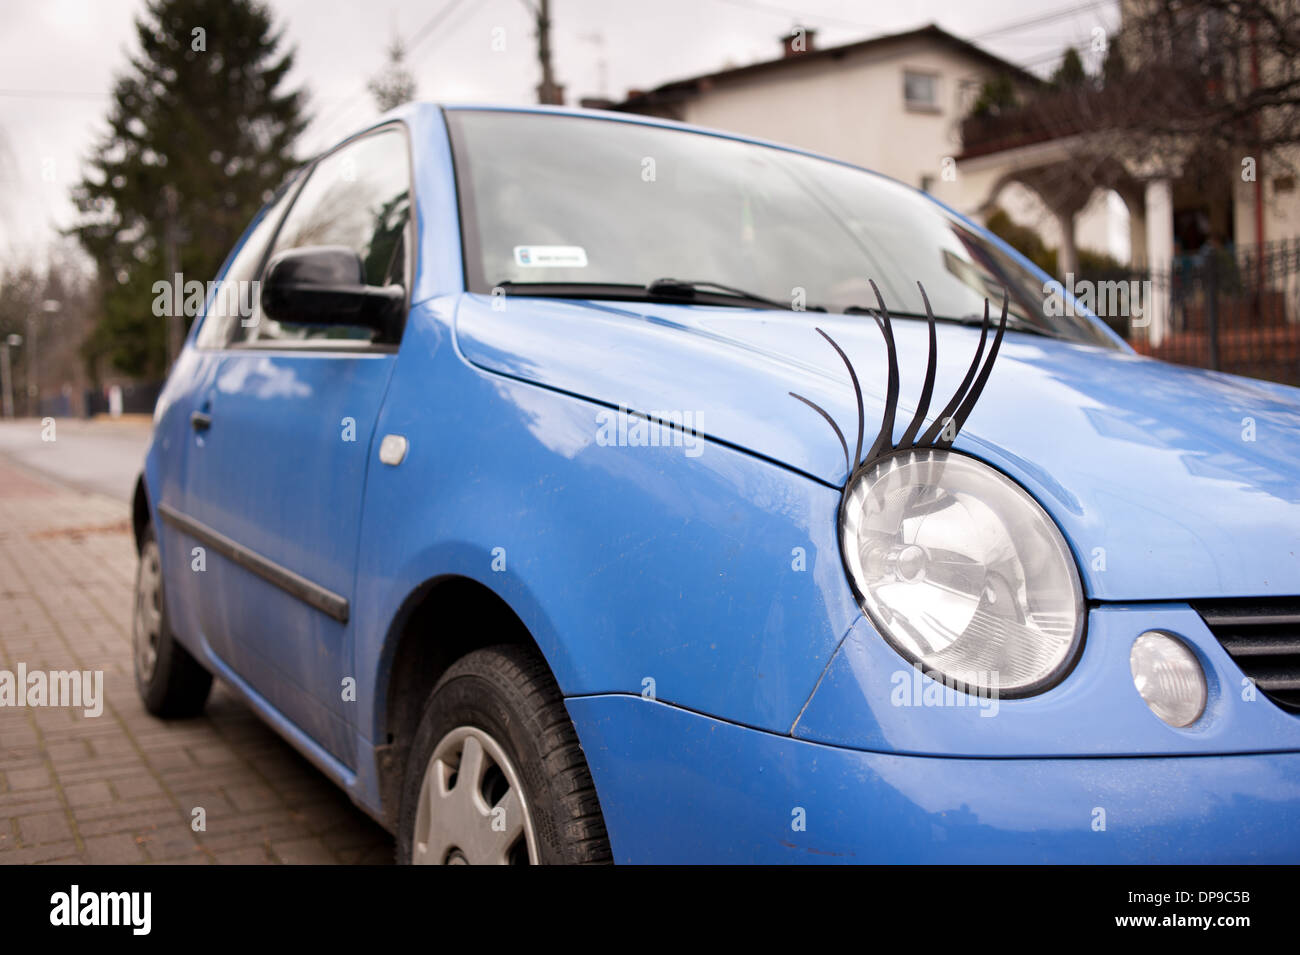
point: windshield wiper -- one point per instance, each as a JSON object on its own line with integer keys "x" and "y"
{"x": 1013, "y": 324}
{"x": 869, "y": 310}
{"x": 667, "y": 289}
{"x": 689, "y": 289}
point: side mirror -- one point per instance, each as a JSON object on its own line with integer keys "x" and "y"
{"x": 326, "y": 285}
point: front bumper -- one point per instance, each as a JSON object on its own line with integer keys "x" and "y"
{"x": 679, "y": 787}
{"x": 871, "y": 699}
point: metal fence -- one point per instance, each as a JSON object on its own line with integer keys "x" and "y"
{"x": 1235, "y": 310}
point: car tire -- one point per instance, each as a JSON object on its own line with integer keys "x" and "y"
{"x": 534, "y": 801}
{"x": 171, "y": 683}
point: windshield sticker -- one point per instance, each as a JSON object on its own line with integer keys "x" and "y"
{"x": 551, "y": 256}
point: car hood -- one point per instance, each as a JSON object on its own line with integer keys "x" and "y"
{"x": 1169, "y": 482}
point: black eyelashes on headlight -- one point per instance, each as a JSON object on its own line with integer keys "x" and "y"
{"x": 945, "y": 427}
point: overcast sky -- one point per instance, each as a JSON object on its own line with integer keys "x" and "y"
{"x": 58, "y": 59}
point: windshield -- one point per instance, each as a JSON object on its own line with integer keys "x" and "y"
{"x": 565, "y": 199}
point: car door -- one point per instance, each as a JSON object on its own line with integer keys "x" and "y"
{"x": 283, "y": 437}
{"x": 190, "y": 600}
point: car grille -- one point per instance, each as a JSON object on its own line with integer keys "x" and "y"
{"x": 1263, "y": 637}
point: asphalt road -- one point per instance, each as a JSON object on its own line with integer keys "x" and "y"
{"x": 102, "y": 455}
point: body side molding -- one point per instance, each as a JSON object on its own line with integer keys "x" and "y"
{"x": 309, "y": 592}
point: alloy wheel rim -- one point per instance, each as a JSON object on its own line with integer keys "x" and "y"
{"x": 147, "y": 623}
{"x": 472, "y": 808}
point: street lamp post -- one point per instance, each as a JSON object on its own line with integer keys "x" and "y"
{"x": 6, "y": 372}
{"x": 50, "y": 306}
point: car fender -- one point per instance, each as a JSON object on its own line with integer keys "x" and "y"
{"x": 713, "y": 582}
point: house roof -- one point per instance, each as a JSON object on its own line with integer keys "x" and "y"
{"x": 678, "y": 90}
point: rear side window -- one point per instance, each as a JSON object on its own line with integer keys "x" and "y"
{"x": 358, "y": 196}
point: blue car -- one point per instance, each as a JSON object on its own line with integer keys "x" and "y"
{"x": 580, "y": 487}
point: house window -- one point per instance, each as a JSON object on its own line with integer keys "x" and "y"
{"x": 921, "y": 90}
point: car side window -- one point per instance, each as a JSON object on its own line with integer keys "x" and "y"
{"x": 358, "y": 196}
{"x": 235, "y": 299}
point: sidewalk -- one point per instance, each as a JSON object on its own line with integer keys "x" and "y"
{"x": 122, "y": 787}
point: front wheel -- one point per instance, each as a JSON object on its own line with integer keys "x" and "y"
{"x": 168, "y": 678}
{"x": 496, "y": 775}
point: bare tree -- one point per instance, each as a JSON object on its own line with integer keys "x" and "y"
{"x": 1219, "y": 72}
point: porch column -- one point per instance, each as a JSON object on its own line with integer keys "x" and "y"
{"x": 1160, "y": 254}
{"x": 1068, "y": 262}
{"x": 1135, "y": 202}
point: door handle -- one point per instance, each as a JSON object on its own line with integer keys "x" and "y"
{"x": 200, "y": 420}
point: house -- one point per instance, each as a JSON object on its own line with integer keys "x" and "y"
{"x": 890, "y": 103}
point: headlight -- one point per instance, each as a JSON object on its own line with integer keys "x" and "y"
{"x": 963, "y": 572}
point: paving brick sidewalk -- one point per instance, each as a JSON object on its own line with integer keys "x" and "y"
{"x": 122, "y": 787}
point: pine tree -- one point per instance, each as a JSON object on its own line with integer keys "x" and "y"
{"x": 1113, "y": 68}
{"x": 200, "y": 134}
{"x": 997, "y": 96}
{"x": 395, "y": 84}
{"x": 1070, "y": 73}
